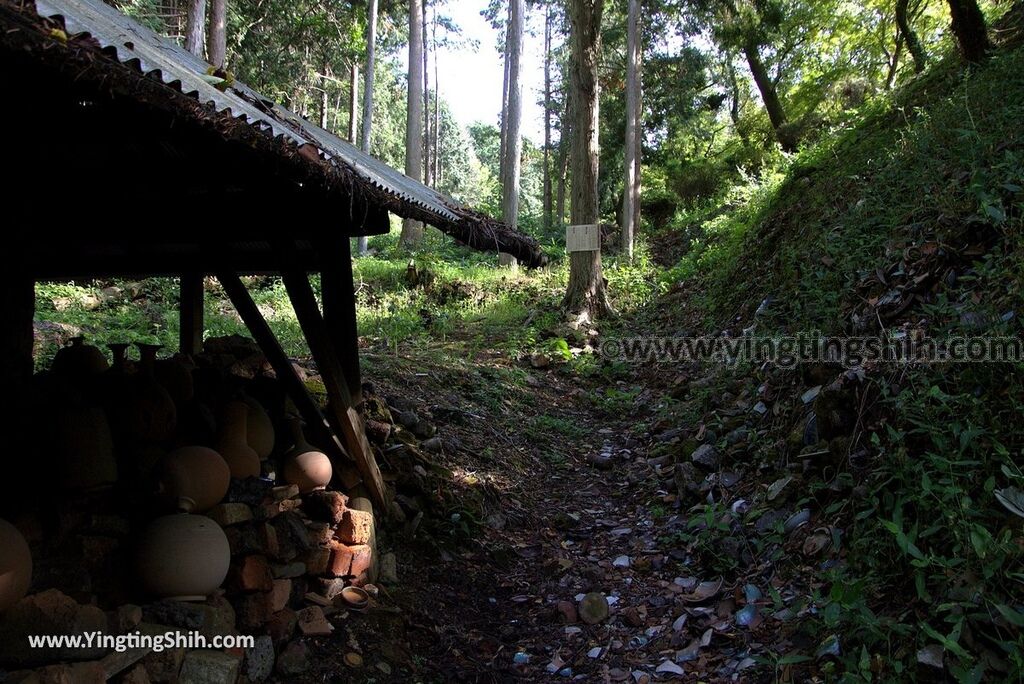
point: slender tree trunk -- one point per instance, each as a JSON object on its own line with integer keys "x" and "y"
{"x": 436, "y": 146}
{"x": 894, "y": 64}
{"x": 323, "y": 105}
{"x": 734, "y": 110}
{"x": 217, "y": 40}
{"x": 371, "y": 63}
{"x": 353, "y": 105}
{"x": 910, "y": 36}
{"x": 412, "y": 231}
{"x": 563, "y": 161}
{"x": 769, "y": 94}
{"x": 195, "y": 28}
{"x": 970, "y": 30}
{"x": 503, "y": 134}
{"x": 547, "y": 119}
{"x": 630, "y": 195}
{"x": 513, "y": 118}
{"x": 586, "y": 294}
{"x": 426, "y": 99}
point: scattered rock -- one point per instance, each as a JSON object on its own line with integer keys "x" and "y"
{"x": 294, "y": 659}
{"x": 706, "y": 456}
{"x": 567, "y": 612}
{"x": 206, "y": 666}
{"x": 593, "y": 608}
{"x": 259, "y": 659}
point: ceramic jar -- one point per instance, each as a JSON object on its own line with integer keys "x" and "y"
{"x": 79, "y": 361}
{"x": 175, "y": 374}
{"x": 259, "y": 429}
{"x": 232, "y": 442}
{"x": 305, "y": 465}
{"x": 195, "y": 473}
{"x": 83, "y": 446}
{"x": 15, "y": 565}
{"x": 183, "y": 557}
{"x": 143, "y": 411}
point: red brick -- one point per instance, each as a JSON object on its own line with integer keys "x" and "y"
{"x": 318, "y": 561}
{"x": 280, "y": 594}
{"x": 281, "y": 625}
{"x": 252, "y": 611}
{"x": 326, "y": 506}
{"x": 356, "y": 527}
{"x": 313, "y": 623}
{"x": 252, "y": 573}
{"x": 351, "y": 561}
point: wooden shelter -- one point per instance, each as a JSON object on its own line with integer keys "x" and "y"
{"x": 124, "y": 157}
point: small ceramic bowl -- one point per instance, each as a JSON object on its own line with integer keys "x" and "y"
{"x": 355, "y": 598}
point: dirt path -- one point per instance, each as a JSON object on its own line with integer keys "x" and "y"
{"x": 496, "y": 599}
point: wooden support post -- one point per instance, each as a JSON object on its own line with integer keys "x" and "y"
{"x": 339, "y": 398}
{"x": 339, "y": 302}
{"x": 190, "y": 334}
{"x": 18, "y": 302}
{"x": 297, "y": 390}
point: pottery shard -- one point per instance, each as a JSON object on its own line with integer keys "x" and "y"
{"x": 49, "y": 612}
{"x": 326, "y": 506}
{"x": 356, "y": 527}
{"x": 252, "y": 573}
{"x": 351, "y": 561}
{"x": 312, "y": 622}
{"x": 279, "y": 595}
{"x": 227, "y": 514}
{"x": 207, "y": 666}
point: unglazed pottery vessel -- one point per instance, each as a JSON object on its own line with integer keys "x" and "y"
{"x": 145, "y": 412}
{"x": 175, "y": 374}
{"x": 232, "y": 442}
{"x": 193, "y": 472}
{"x": 305, "y": 465}
{"x": 259, "y": 429}
{"x": 183, "y": 557}
{"x": 79, "y": 361}
{"x": 84, "y": 448}
{"x": 15, "y": 565}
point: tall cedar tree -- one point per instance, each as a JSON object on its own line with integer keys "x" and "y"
{"x": 412, "y": 231}
{"x": 587, "y": 294}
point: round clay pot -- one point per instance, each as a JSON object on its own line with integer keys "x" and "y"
{"x": 305, "y": 465}
{"x": 79, "y": 361}
{"x": 194, "y": 472}
{"x": 241, "y": 458}
{"x": 259, "y": 429}
{"x": 84, "y": 448}
{"x": 183, "y": 556}
{"x": 15, "y": 565}
{"x": 175, "y": 374}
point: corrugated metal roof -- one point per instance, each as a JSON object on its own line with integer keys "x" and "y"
{"x": 157, "y": 55}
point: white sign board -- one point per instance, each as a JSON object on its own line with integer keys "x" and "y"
{"x": 586, "y": 238}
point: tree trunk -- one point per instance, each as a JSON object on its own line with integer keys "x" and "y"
{"x": 970, "y": 30}
{"x": 323, "y": 104}
{"x": 503, "y": 128}
{"x": 631, "y": 195}
{"x": 436, "y": 146}
{"x": 586, "y": 295}
{"x": 426, "y": 100}
{"x": 910, "y": 36}
{"x": 412, "y": 231}
{"x": 353, "y": 105}
{"x": 367, "y": 130}
{"x": 563, "y": 161}
{"x": 195, "y": 28}
{"x": 769, "y": 94}
{"x": 894, "y": 64}
{"x": 217, "y": 40}
{"x": 513, "y": 118}
{"x": 547, "y": 119}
